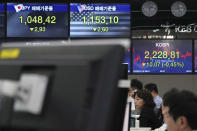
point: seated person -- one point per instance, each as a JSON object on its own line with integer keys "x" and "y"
{"x": 152, "y": 88}
{"x": 135, "y": 85}
{"x": 180, "y": 110}
{"x": 144, "y": 102}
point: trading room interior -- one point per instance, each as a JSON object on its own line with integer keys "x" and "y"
{"x": 83, "y": 65}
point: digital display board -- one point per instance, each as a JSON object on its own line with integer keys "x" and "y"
{"x": 195, "y": 57}
{"x": 99, "y": 20}
{"x": 127, "y": 60}
{"x": 2, "y": 19}
{"x": 37, "y": 20}
{"x": 162, "y": 56}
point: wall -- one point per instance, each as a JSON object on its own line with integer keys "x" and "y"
{"x": 166, "y": 82}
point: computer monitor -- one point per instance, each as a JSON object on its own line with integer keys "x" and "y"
{"x": 37, "y": 20}
{"x": 195, "y": 56}
{"x": 2, "y": 20}
{"x": 82, "y": 93}
{"x": 162, "y": 56}
{"x": 100, "y": 20}
{"x": 127, "y": 60}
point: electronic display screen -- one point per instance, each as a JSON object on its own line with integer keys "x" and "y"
{"x": 127, "y": 60}
{"x": 195, "y": 57}
{"x": 2, "y": 19}
{"x": 99, "y": 20}
{"x": 162, "y": 56}
{"x": 37, "y": 20}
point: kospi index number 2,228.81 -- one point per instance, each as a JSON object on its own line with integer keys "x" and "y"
{"x": 162, "y": 56}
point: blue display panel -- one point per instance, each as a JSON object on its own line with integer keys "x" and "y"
{"x": 37, "y": 20}
{"x": 195, "y": 57}
{"x": 162, "y": 56}
{"x": 127, "y": 60}
{"x": 2, "y": 19}
{"x": 99, "y": 20}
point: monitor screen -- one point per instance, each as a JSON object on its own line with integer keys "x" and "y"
{"x": 82, "y": 93}
{"x": 99, "y": 20}
{"x": 2, "y": 20}
{"x": 127, "y": 60}
{"x": 195, "y": 57}
{"x": 37, "y": 20}
{"x": 162, "y": 56}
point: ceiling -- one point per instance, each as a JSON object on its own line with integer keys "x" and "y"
{"x": 164, "y": 15}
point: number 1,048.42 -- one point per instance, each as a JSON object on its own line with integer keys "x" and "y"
{"x": 38, "y": 19}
